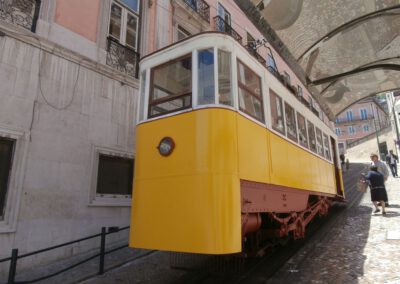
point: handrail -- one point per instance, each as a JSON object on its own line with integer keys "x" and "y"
{"x": 222, "y": 26}
{"x": 200, "y": 7}
{"x": 14, "y": 255}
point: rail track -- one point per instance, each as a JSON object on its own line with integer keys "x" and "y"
{"x": 236, "y": 269}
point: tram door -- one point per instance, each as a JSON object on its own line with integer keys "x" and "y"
{"x": 336, "y": 163}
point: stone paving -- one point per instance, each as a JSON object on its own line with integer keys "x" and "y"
{"x": 362, "y": 247}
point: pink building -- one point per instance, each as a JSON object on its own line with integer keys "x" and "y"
{"x": 360, "y": 120}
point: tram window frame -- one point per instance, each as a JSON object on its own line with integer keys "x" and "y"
{"x": 142, "y": 96}
{"x": 205, "y": 93}
{"x": 224, "y": 98}
{"x": 277, "y": 119}
{"x": 243, "y": 91}
{"x": 290, "y": 119}
{"x": 327, "y": 151}
{"x": 302, "y": 131}
{"x": 154, "y": 102}
{"x": 312, "y": 137}
{"x": 320, "y": 143}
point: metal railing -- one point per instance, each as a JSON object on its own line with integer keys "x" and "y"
{"x": 122, "y": 58}
{"x": 354, "y": 142}
{"x": 23, "y": 13}
{"x": 102, "y": 252}
{"x": 354, "y": 119}
{"x": 253, "y": 51}
{"x": 222, "y": 26}
{"x": 200, "y": 7}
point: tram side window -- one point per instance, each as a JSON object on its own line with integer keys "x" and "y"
{"x": 301, "y": 122}
{"x": 290, "y": 122}
{"x": 320, "y": 149}
{"x": 224, "y": 78}
{"x": 250, "y": 96}
{"x": 326, "y": 147}
{"x": 311, "y": 136}
{"x": 206, "y": 87}
{"x": 171, "y": 87}
{"x": 276, "y": 112}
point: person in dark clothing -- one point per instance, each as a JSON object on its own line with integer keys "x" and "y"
{"x": 378, "y": 190}
{"x": 391, "y": 160}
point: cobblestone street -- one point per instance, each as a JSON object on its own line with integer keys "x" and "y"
{"x": 363, "y": 247}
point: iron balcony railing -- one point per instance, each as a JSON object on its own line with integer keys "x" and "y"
{"x": 23, "y": 13}
{"x": 122, "y": 58}
{"x": 222, "y": 26}
{"x": 200, "y": 7}
{"x": 253, "y": 51}
{"x": 340, "y": 120}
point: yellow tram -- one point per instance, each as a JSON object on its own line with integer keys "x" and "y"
{"x": 224, "y": 151}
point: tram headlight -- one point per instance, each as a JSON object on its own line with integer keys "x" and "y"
{"x": 166, "y": 146}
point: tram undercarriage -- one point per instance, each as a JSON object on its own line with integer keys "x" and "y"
{"x": 276, "y": 220}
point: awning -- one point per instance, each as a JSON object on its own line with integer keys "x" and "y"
{"x": 348, "y": 50}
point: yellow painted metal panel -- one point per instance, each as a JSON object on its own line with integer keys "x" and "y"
{"x": 253, "y": 151}
{"x": 199, "y": 213}
{"x": 188, "y": 201}
{"x": 293, "y": 167}
{"x": 201, "y": 137}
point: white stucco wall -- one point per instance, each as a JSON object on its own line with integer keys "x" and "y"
{"x": 62, "y": 115}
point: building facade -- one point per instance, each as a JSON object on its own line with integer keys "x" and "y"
{"x": 68, "y": 94}
{"x": 360, "y": 120}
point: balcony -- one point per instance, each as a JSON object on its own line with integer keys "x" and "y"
{"x": 200, "y": 7}
{"x": 344, "y": 120}
{"x": 122, "y": 58}
{"x": 253, "y": 51}
{"x": 23, "y": 13}
{"x": 222, "y": 26}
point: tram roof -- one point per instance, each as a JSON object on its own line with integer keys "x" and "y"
{"x": 344, "y": 51}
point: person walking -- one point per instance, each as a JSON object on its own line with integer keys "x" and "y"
{"x": 382, "y": 168}
{"x": 378, "y": 190}
{"x": 391, "y": 160}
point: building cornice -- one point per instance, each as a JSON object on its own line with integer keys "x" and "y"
{"x": 27, "y": 37}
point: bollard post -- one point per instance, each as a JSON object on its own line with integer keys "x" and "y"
{"x": 102, "y": 250}
{"x": 13, "y": 266}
